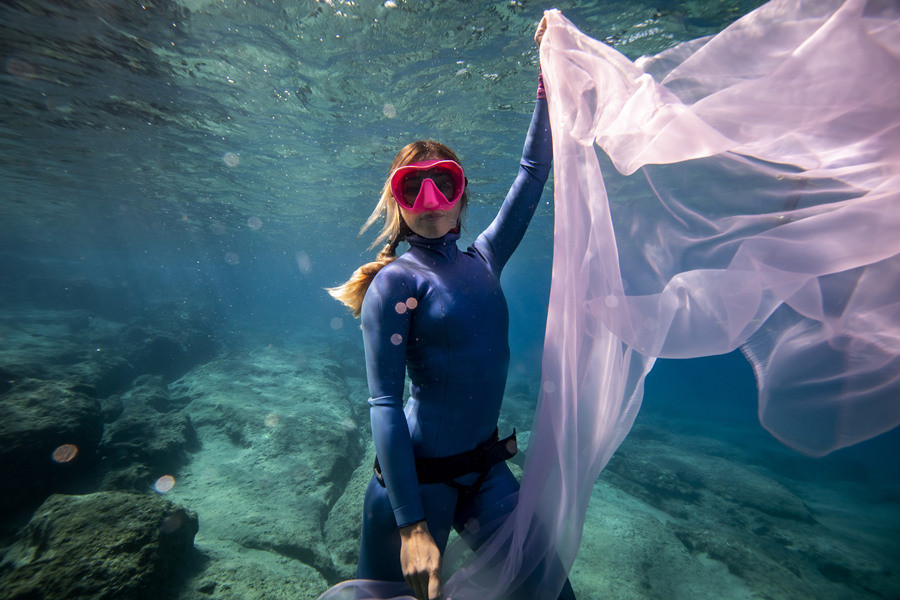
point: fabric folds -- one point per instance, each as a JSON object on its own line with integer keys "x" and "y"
{"x": 739, "y": 191}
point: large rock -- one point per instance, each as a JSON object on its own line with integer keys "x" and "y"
{"x": 37, "y": 418}
{"x": 147, "y": 439}
{"x": 280, "y": 441}
{"x": 108, "y": 545}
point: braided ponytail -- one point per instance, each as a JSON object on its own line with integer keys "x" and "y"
{"x": 352, "y": 292}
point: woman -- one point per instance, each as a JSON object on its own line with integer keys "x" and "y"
{"x": 439, "y": 314}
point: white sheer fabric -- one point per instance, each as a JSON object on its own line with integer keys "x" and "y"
{"x": 740, "y": 191}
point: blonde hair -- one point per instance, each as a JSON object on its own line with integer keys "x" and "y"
{"x": 394, "y": 230}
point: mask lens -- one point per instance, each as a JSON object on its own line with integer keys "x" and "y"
{"x": 447, "y": 176}
{"x": 412, "y": 184}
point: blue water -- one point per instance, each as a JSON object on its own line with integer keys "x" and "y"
{"x": 213, "y": 162}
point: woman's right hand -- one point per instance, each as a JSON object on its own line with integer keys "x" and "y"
{"x": 420, "y": 561}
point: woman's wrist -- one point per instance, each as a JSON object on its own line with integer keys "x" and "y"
{"x": 414, "y": 528}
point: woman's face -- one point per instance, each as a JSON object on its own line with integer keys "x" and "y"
{"x": 432, "y": 223}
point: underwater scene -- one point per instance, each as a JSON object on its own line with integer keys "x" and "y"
{"x": 183, "y": 406}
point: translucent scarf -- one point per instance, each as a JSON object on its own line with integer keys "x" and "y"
{"x": 739, "y": 191}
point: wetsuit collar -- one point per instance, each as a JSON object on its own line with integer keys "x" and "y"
{"x": 444, "y": 246}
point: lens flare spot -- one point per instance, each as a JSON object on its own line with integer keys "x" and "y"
{"x": 231, "y": 159}
{"x": 173, "y": 522}
{"x": 411, "y": 303}
{"x": 611, "y": 301}
{"x": 548, "y": 386}
{"x": 389, "y": 110}
{"x": 300, "y": 472}
{"x": 164, "y": 484}
{"x": 20, "y": 68}
{"x": 65, "y": 453}
{"x": 272, "y": 420}
{"x": 348, "y": 424}
{"x": 254, "y": 223}
{"x": 232, "y": 258}
{"x": 396, "y": 339}
{"x": 400, "y": 307}
{"x": 218, "y": 228}
{"x": 337, "y": 323}
{"x": 303, "y": 262}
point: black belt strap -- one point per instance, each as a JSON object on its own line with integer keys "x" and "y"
{"x": 480, "y": 459}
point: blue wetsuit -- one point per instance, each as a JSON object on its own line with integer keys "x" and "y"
{"x": 440, "y": 314}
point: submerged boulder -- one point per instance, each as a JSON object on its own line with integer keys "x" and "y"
{"x": 148, "y": 437}
{"x": 49, "y": 434}
{"x": 98, "y": 546}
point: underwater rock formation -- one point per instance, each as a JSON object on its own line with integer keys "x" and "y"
{"x": 148, "y": 439}
{"x": 37, "y": 418}
{"x": 98, "y": 546}
{"x": 280, "y": 439}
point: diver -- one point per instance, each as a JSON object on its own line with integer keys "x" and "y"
{"x": 439, "y": 314}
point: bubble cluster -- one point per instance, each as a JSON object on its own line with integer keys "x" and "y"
{"x": 231, "y": 159}
{"x": 65, "y": 453}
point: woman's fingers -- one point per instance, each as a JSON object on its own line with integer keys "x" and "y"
{"x": 420, "y": 561}
{"x": 539, "y": 33}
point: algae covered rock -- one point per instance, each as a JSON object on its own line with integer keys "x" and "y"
{"x": 49, "y": 434}
{"x": 98, "y": 546}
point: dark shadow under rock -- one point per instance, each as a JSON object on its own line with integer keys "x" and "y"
{"x": 38, "y": 419}
{"x": 108, "y": 545}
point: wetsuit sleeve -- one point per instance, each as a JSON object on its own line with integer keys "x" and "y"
{"x": 385, "y": 330}
{"x": 502, "y": 237}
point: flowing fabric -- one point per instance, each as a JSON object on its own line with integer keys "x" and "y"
{"x": 739, "y": 191}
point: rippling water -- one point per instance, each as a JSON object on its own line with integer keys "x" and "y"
{"x": 229, "y": 151}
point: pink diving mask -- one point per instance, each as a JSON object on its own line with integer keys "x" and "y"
{"x": 428, "y": 185}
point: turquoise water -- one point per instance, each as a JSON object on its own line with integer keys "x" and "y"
{"x": 180, "y": 181}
